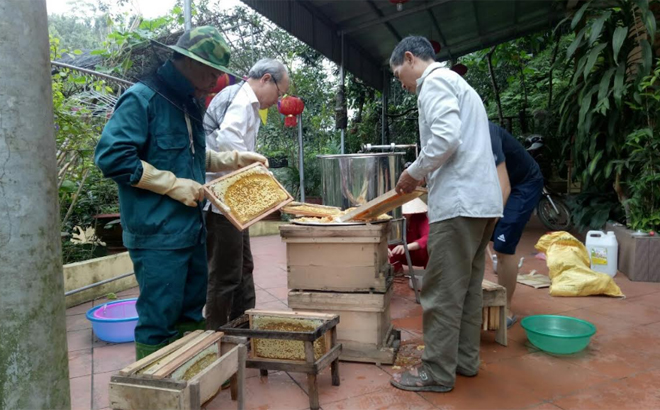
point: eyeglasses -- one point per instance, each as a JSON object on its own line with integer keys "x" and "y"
{"x": 280, "y": 94}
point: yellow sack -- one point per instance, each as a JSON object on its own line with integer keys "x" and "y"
{"x": 569, "y": 268}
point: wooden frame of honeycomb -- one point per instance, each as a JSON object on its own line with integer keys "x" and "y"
{"x": 247, "y": 195}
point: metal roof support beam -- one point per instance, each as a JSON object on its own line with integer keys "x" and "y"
{"x": 342, "y": 73}
{"x": 395, "y": 16}
{"x": 383, "y": 131}
{"x": 490, "y": 39}
{"x": 388, "y": 25}
{"x": 443, "y": 41}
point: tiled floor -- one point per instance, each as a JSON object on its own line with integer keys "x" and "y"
{"x": 619, "y": 370}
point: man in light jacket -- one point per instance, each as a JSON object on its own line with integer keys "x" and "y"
{"x": 231, "y": 123}
{"x": 464, "y": 200}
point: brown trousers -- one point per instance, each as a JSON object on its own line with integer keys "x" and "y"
{"x": 451, "y": 296}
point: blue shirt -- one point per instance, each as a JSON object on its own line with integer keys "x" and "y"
{"x": 520, "y": 166}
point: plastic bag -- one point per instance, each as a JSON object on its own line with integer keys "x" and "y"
{"x": 569, "y": 268}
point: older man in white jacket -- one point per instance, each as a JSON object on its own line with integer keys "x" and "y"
{"x": 232, "y": 123}
{"x": 464, "y": 201}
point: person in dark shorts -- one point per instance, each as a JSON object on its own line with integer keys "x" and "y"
{"x": 521, "y": 182}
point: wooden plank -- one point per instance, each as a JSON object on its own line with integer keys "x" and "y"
{"x": 330, "y": 357}
{"x": 312, "y": 385}
{"x": 325, "y": 301}
{"x": 364, "y": 317}
{"x": 159, "y": 364}
{"x": 493, "y": 294}
{"x": 334, "y": 369}
{"x": 124, "y": 396}
{"x": 281, "y": 365}
{"x": 228, "y": 342}
{"x": 301, "y": 314}
{"x": 240, "y": 377}
{"x": 382, "y": 204}
{"x": 301, "y": 231}
{"x": 194, "y": 396}
{"x": 211, "y": 378}
{"x": 501, "y": 335}
{"x": 146, "y": 361}
{"x": 313, "y": 210}
{"x": 186, "y": 355}
{"x": 368, "y": 352}
{"x": 141, "y": 381}
{"x": 337, "y": 279}
{"x": 353, "y": 254}
{"x": 181, "y": 371}
{"x": 360, "y": 239}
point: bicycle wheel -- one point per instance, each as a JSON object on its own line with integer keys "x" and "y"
{"x": 554, "y": 220}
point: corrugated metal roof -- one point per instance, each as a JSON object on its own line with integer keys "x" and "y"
{"x": 372, "y": 28}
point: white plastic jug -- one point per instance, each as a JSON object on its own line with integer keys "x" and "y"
{"x": 603, "y": 251}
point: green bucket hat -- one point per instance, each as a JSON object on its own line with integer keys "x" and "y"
{"x": 206, "y": 45}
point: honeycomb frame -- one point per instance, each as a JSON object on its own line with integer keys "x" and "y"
{"x": 233, "y": 194}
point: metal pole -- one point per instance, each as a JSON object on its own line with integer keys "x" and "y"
{"x": 383, "y": 131}
{"x": 103, "y": 282}
{"x": 91, "y": 72}
{"x": 34, "y": 370}
{"x": 343, "y": 75}
{"x": 187, "y": 14}
{"x": 301, "y": 155}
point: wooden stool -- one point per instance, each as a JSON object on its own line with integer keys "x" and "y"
{"x": 494, "y": 310}
{"x": 307, "y": 362}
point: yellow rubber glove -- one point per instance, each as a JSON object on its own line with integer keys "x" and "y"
{"x": 231, "y": 160}
{"x": 183, "y": 190}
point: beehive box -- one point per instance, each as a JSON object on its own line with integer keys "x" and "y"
{"x": 365, "y": 330}
{"x": 248, "y": 195}
{"x": 286, "y": 349}
{"x": 182, "y": 375}
{"x": 337, "y": 258}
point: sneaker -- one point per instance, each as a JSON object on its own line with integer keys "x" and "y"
{"x": 465, "y": 373}
{"x": 510, "y": 321}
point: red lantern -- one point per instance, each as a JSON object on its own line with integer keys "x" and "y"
{"x": 460, "y": 69}
{"x": 291, "y": 107}
{"x": 399, "y": 4}
{"x": 223, "y": 81}
{"x": 436, "y": 46}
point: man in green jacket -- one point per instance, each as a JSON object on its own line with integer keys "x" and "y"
{"x": 154, "y": 148}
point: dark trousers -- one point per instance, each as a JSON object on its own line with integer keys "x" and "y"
{"x": 172, "y": 292}
{"x": 231, "y": 285}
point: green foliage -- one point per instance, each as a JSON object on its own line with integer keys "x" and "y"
{"x": 591, "y": 209}
{"x": 643, "y": 161}
{"x": 602, "y": 111}
{"x": 83, "y": 192}
{"x": 77, "y": 33}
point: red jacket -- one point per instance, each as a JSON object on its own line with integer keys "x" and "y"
{"x": 417, "y": 230}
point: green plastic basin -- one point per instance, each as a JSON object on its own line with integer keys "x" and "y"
{"x": 558, "y": 334}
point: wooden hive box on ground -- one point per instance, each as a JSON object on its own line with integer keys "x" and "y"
{"x": 182, "y": 375}
{"x": 248, "y": 195}
{"x": 337, "y": 258}
{"x": 286, "y": 349}
{"x": 365, "y": 330}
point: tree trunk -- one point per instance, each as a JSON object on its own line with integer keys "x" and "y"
{"x": 496, "y": 89}
{"x": 552, "y": 63}
{"x": 34, "y": 365}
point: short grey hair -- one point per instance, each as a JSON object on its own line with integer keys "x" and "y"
{"x": 276, "y": 69}
{"x": 420, "y": 47}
